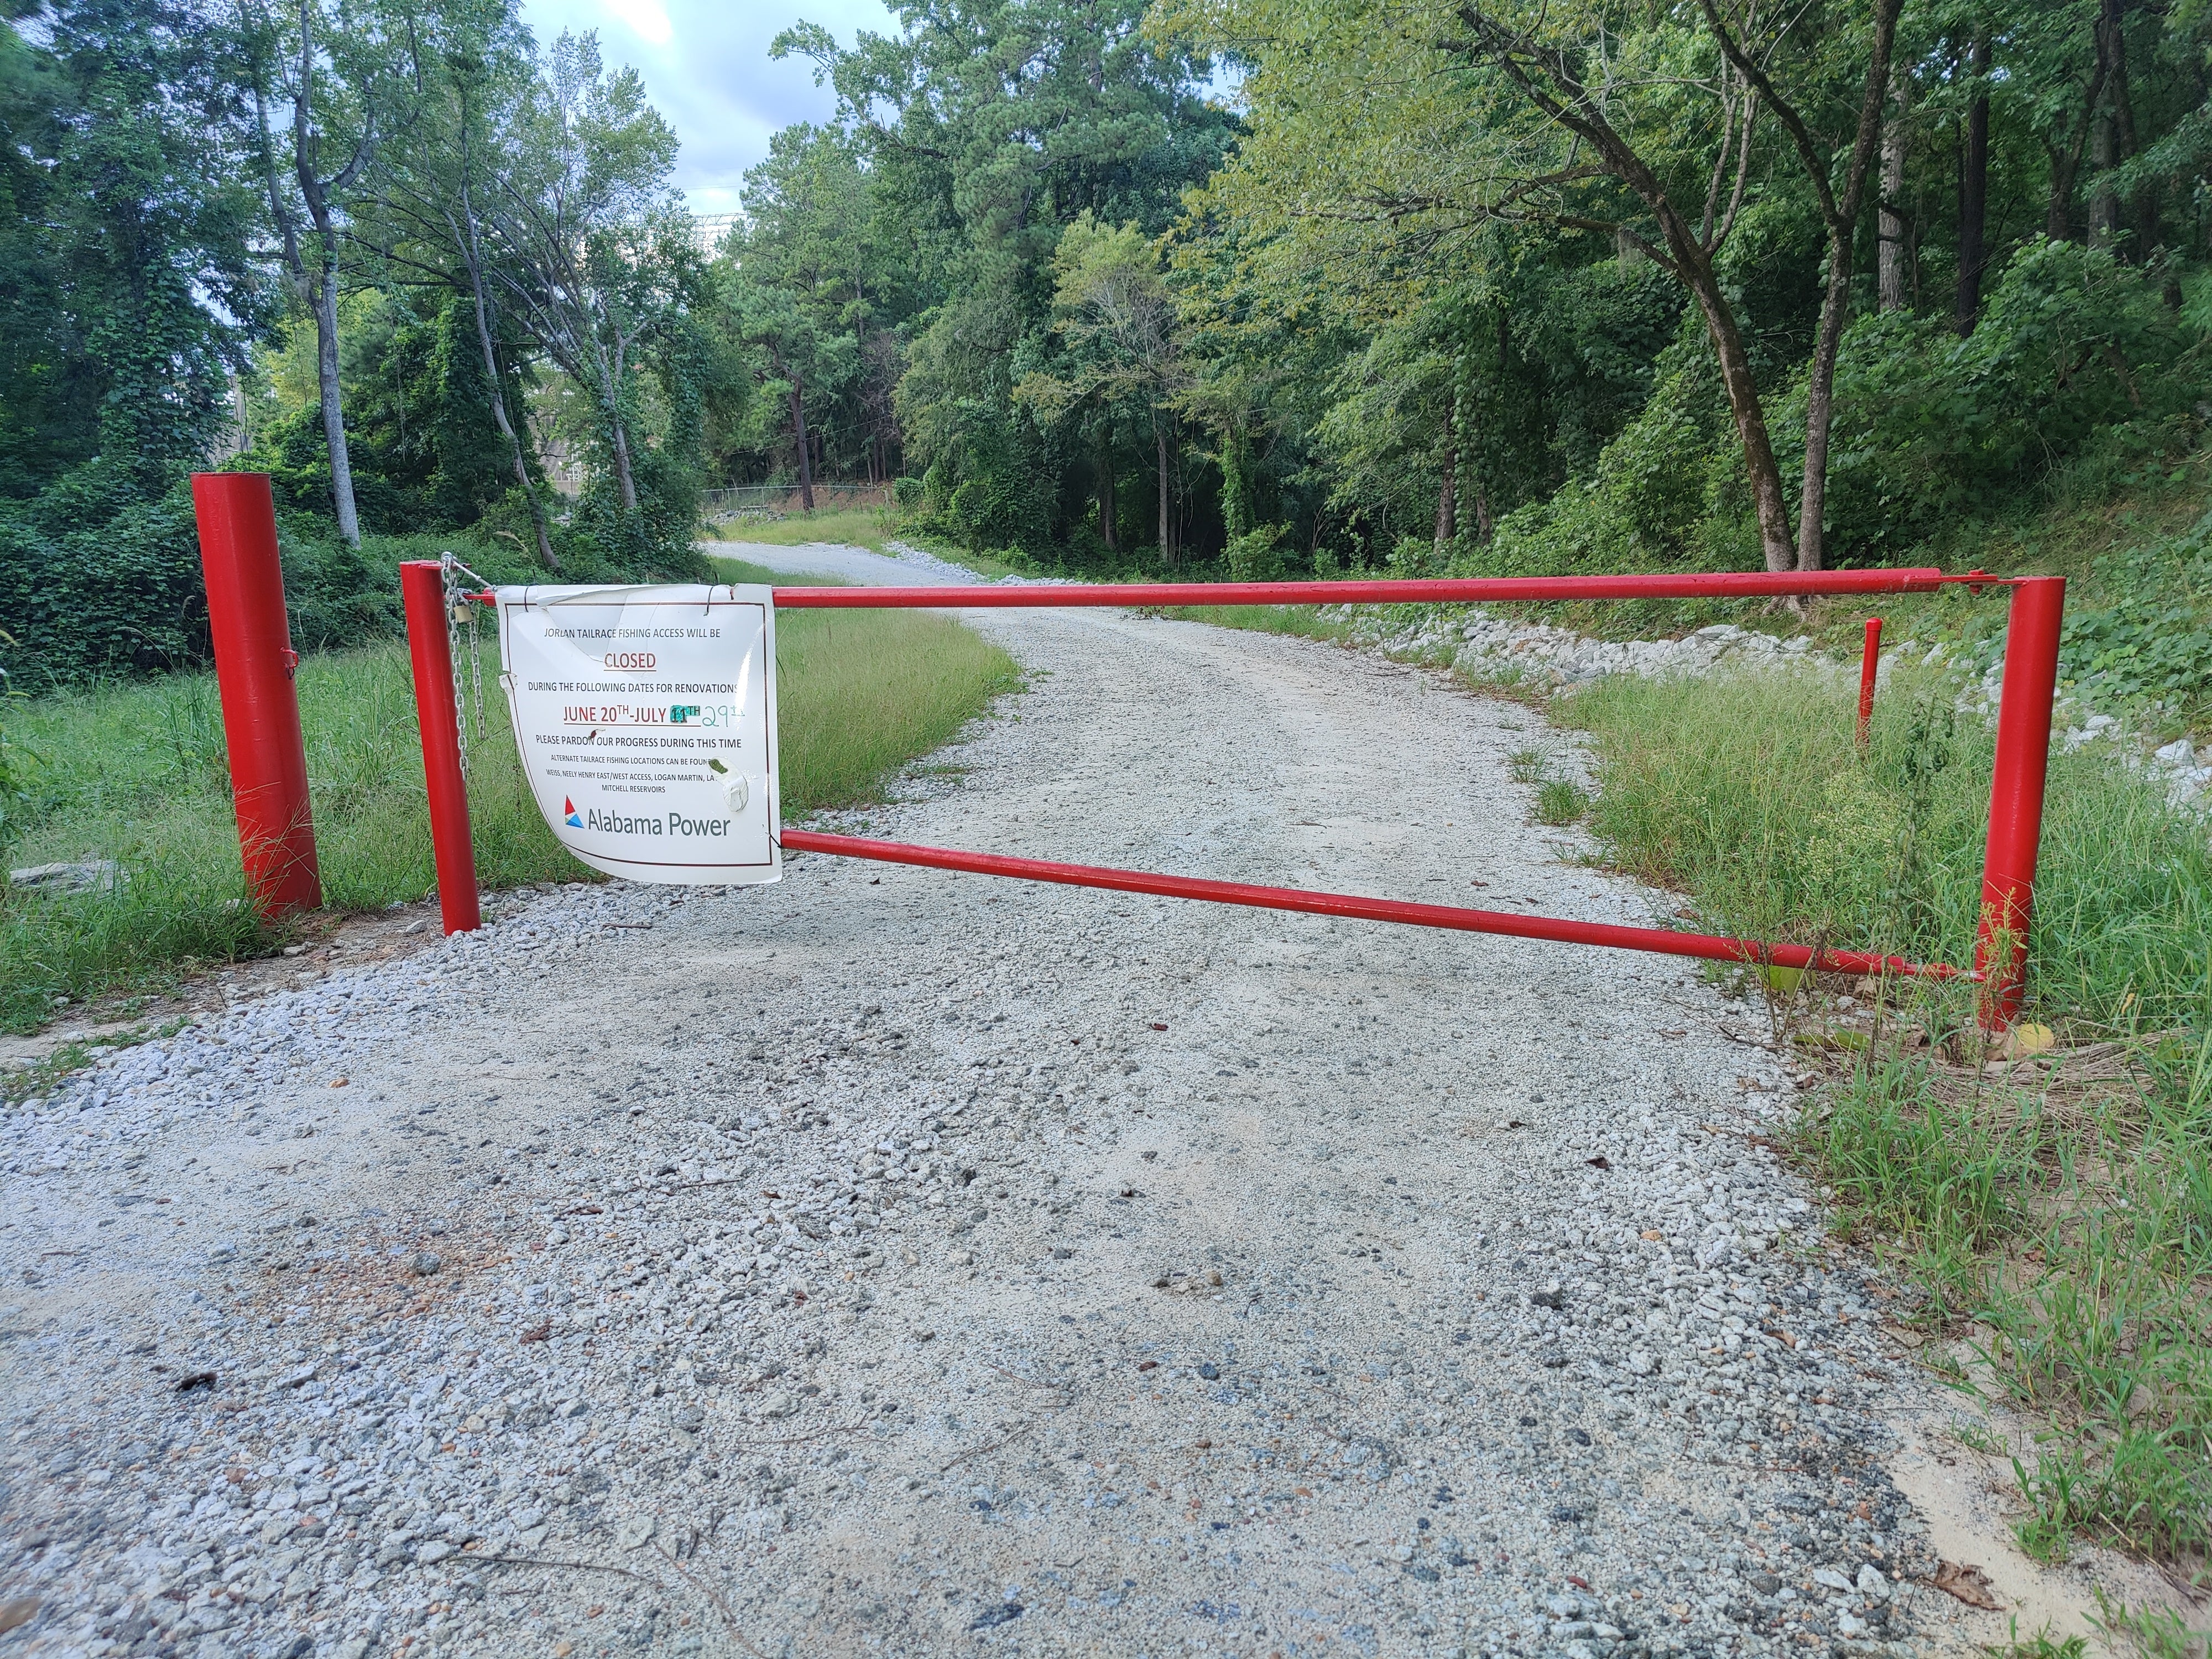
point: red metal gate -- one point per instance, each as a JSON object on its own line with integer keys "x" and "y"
{"x": 2016, "y": 789}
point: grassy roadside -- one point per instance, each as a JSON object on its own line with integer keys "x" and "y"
{"x": 2054, "y": 1212}
{"x": 852, "y": 527}
{"x": 136, "y": 773}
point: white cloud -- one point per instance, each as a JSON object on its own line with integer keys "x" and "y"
{"x": 645, "y": 18}
{"x": 706, "y": 69}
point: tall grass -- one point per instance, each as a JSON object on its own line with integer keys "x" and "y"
{"x": 137, "y": 774}
{"x": 2057, "y": 1215}
{"x": 1748, "y": 793}
{"x": 866, "y": 690}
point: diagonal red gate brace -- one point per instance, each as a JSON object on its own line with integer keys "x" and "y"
{"x": 1712, "y": 947}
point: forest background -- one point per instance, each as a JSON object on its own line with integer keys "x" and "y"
{"x": 1272, "y": 286}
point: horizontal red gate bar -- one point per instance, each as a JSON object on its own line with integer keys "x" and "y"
{"x": 1756, "y": 584}
{"x": 1711, "y": 947}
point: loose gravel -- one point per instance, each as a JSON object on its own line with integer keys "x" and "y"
{"x": 896, "y": 1262}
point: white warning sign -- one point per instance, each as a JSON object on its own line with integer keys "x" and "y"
{"x": 645, "y": 717}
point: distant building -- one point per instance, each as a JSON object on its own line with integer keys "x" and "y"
{"x": 708, "y": 230}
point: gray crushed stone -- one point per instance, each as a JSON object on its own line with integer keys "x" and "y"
{"x": 892, "y": 1262}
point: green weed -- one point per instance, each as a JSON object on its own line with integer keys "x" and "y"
{"x": 2061, "y": 1212}
{"x": 1979, "y": 1436}
{"x": 1748, "y": 793}
{"x": 1560, "y": 800}
{"x": 2041, "y": 1645}
{"x": 2155, "y": 1633}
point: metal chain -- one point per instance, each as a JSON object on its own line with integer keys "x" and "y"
{"x": 455, "y": 604}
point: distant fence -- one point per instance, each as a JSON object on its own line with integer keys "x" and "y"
{"x": 775, "y": 501}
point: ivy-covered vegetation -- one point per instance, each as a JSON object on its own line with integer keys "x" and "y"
{"x": 393, "y": 257}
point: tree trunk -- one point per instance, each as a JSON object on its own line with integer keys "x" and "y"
{"x": 2113, "y": 135}
{"x": 1167, "y": 532}
{"x": 2104, "y": 200}
{"x": 1763, "y": 471}
{"x": 1973, "y": 191}
{"x": 1892, "y": 254}
{"x": 1447, "y": 505}
{"x": 1106, "y": 487}
{"x": 1484, "y": 526}
{"x": 514, "y": 439}
{"x": 2058, "y": 202}
{"x": 326, "y": 383}
{"x": 799, "y": 433}
{"x": 472, "y": 254}
{"x": 1841, "y": 214}
{"x": 2066, "y": 164}
{"x": 2104, "y": 128}
{"x": 1820, "y": 405}
{"x": 1688, "y": 259}
{"x": 618, "y": 440}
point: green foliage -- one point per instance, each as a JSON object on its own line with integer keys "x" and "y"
{"x": 1560, "y": 800}
{"x": 128, "y": 288}
{"x": 2152, "y": 643}
{"x": 1661, "y": 495}
{"x": 2058, "y": 1223}
{"x": 982, "y": 171}
{"x": 1255, "y": 556}
{"x": 2152, "y": 1633}
{"x": 421, "y": 434}
{"x": 2073, "y": 345}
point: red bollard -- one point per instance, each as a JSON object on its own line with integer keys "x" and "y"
{"x": 1869, "y": 665}
{"x": 423, "y": 587}
{"x": 2031, "y": 684}
{"x": 253, "y": 664}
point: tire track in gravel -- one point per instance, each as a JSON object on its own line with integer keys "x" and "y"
{"x": 892, "y": 1261}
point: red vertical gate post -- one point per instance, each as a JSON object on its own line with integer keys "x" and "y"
{"x": 253, "y": 666}
{"x": 1869, "y": 665}
{"x": 2031, "y": 684}
{"x": 423, "y": 587}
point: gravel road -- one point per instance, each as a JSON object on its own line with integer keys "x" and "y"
{"x": 897, "y": 1262}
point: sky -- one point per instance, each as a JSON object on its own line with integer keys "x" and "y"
{"x": 707, "y": 69}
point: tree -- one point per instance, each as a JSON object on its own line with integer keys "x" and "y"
{"x": 1974, "y": 185}
{"x": 989, "y": 126}
{"x": 336, "y": 73}
{"x": 1641, "y": 128}
{"x": 594, "y": 249}
{"x": 1116, "y": 320}
{"x": 128, "y": 290}
{"x": 808, "y": 280}
{"x": 472, "y": 65}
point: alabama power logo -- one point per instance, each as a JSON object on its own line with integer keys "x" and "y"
{"x": 625, "y": 824}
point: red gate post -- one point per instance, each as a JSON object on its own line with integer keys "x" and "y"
{"x": 2031, "y": 684}
{"x": 422, "y": 586}
{"x": 254, "y": 666}
{"x": 1869, "y": 665}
